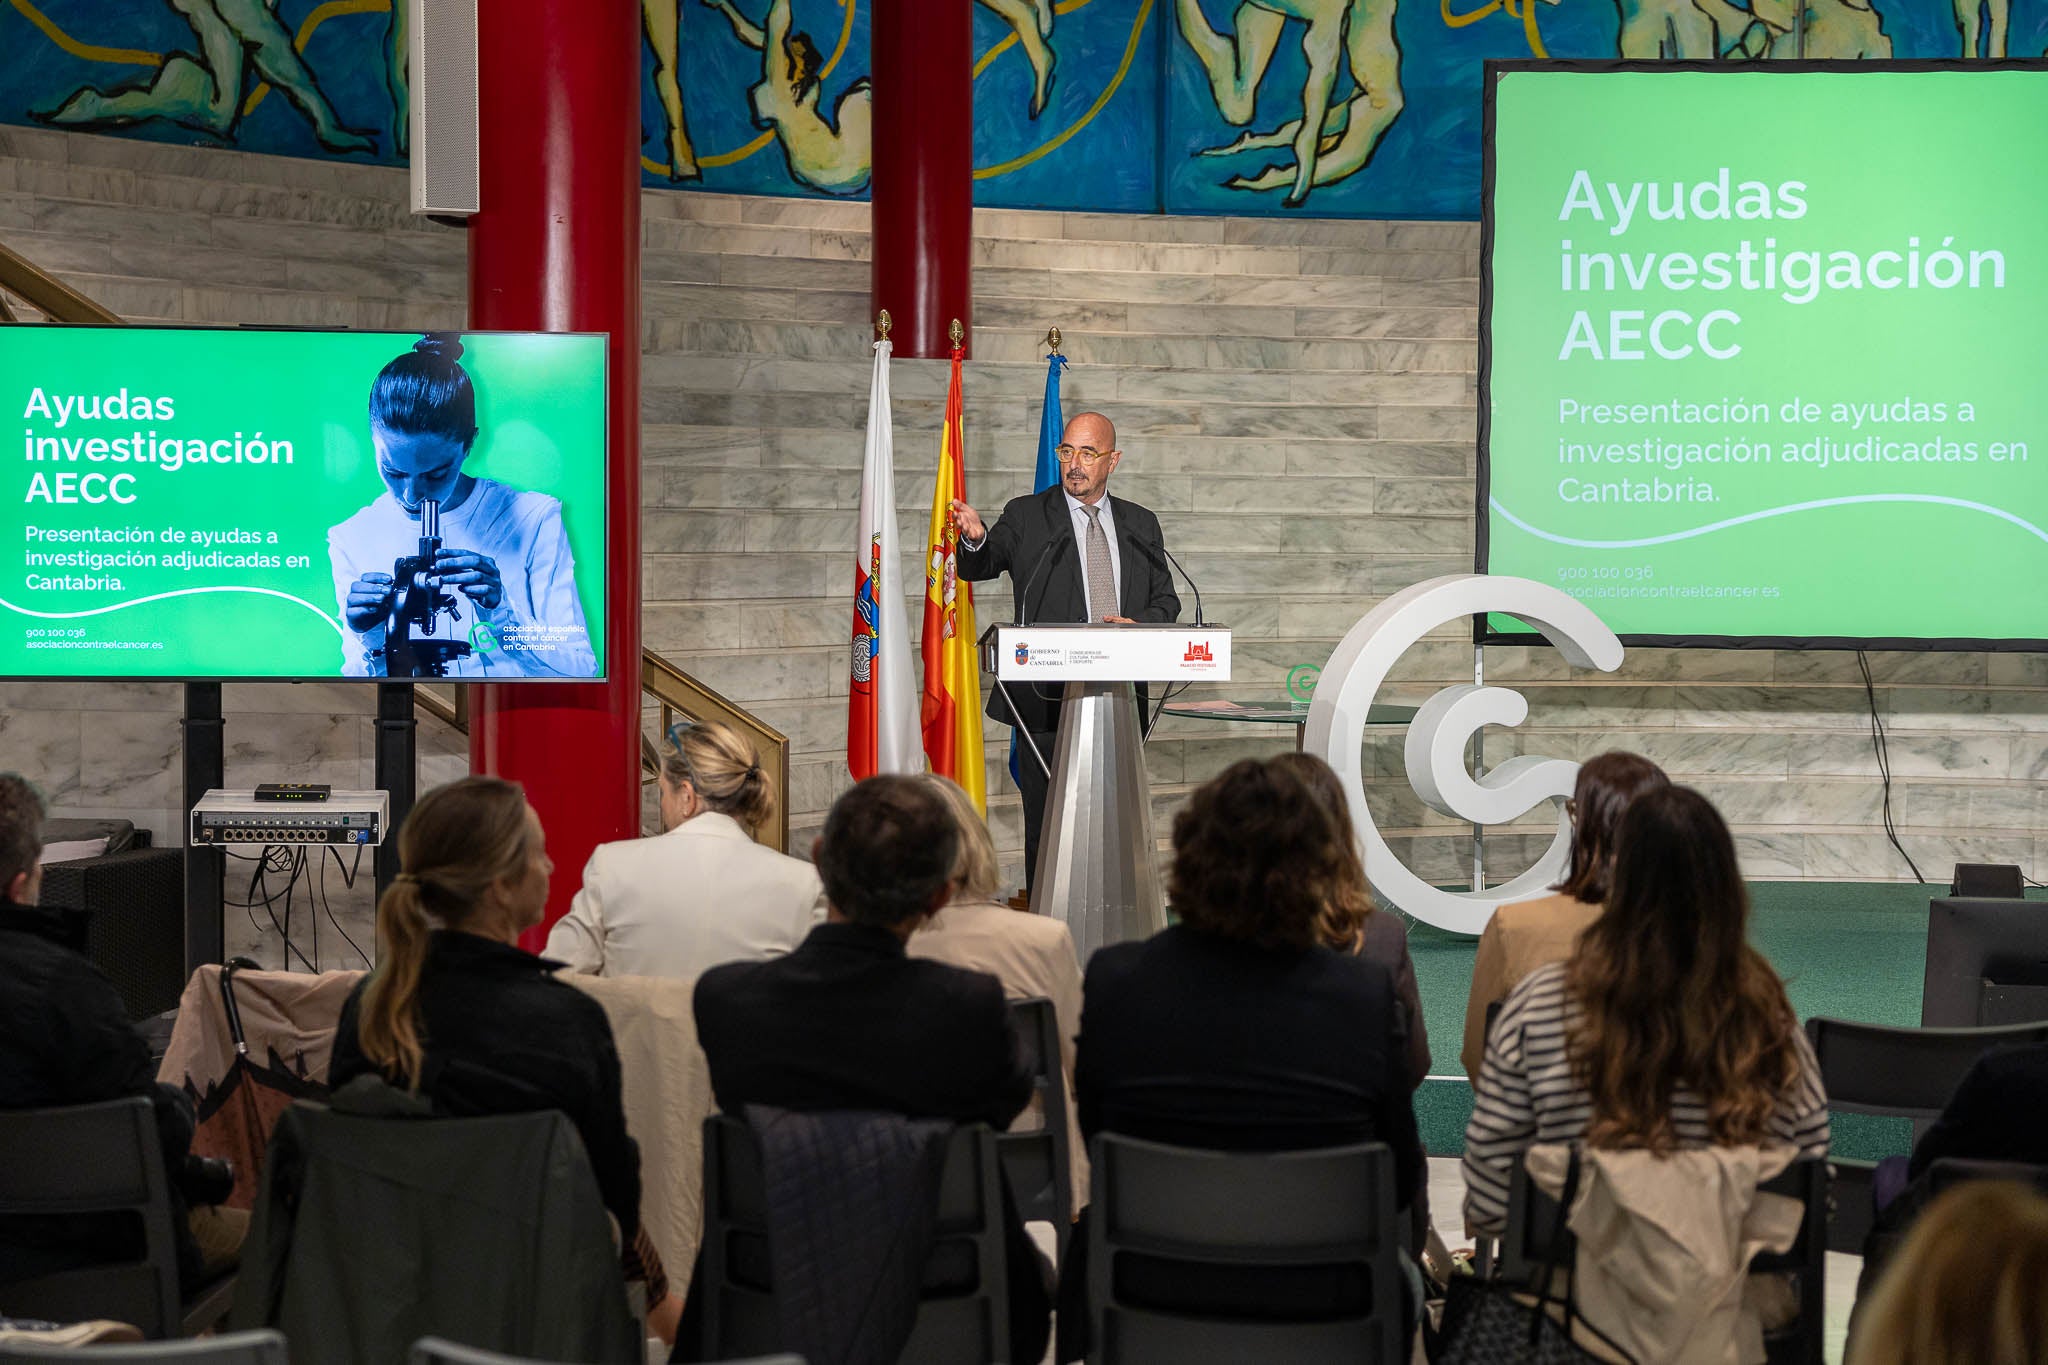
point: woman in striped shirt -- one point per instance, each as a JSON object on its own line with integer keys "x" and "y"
{"x": 1664, "y": 1030}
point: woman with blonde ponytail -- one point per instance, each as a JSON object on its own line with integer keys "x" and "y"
{"x": 457, "y": 1012}
{"x": 702, "y": 893}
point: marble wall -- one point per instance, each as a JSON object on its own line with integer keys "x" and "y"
{"x": 1295, "y": 399}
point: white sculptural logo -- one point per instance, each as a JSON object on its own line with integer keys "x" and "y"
{"x": 1445, "y": 724}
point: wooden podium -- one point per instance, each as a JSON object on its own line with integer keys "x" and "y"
{"x": 1098, "y": 861}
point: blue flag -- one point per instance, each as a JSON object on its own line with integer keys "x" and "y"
{"x": 1050, "y": 425}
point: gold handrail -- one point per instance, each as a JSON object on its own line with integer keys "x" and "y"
{"x": 47, "y": 294}
{"x": 451, "y": 710}
{"x": 678, "y": 692}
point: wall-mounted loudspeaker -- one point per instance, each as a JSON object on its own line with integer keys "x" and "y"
{"x": 440, "y": 49}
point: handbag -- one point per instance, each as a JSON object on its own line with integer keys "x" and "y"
{"x": 1493, "y": 1322}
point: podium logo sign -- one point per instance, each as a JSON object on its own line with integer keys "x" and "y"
{"x": 1198, "y": 653}
{"x": 1444, "y": 726}
{"x": 1023, "y": 654}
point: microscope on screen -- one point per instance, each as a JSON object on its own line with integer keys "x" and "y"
{"x": 414, "y": 645}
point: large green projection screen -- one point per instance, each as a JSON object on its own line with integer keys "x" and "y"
{"x": 199, "y": 503}
{"x": 1765, "y": 352}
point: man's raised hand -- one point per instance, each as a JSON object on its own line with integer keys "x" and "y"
{"x": 967, "y": 520}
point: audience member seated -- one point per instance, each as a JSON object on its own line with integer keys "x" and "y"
{"x": 65, "y": 1040}
{"x": 1527, "y": 934}
{"x": 1664, "y": 1030}
{"x": 1665, "y": 1048}
{"x": 1352, "y": 925}
{"x": 1967, "y": 1287}
{"x": 703, "y": 892}
{"x": 850, "y": 1021}
{"x": 1032, "y": 955}
{"x": 1994, "y": 1115}
{"x": 457, "y": 1012}
{"x": 1237, "y": 1029}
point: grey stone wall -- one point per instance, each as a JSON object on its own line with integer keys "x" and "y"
{"x": 1295, "y": 400}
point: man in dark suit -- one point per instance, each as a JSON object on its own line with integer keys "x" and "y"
{"x": 1073, "y": 553}
{"x": 850, "y": 1021}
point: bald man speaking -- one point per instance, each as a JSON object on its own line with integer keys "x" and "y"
{"x": 1073, "y": 553}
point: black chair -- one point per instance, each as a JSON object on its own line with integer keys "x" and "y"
{"x": 964, "y": 1309}
{"x": 2002, "y": 1003}
{"x": 1536, "y": 1223}
{"x": 1896, "y": 1073}
{"x": 125, "y": 909}
{"x": 1951, "y": 1171}
{"x": 1897, "y": 1224}
{"x": 1484, "y": 1252}
{"x": 1039, "y": 1165}
{"x": 234, "y": 1348}
{"x": 1201, "y": 1256}
{"x": 434, "y": 1351}
{"x": 106, "y": 1159}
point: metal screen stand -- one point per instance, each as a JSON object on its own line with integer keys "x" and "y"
{"x": 397, "y": 769}
{"x": 1478, "y": 771}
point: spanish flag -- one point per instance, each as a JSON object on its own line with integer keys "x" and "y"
{"x": 952, "y": 676}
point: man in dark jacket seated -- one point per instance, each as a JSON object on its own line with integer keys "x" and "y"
{"x": 849, "y": 1021}
{"x": 65, "y": 1040}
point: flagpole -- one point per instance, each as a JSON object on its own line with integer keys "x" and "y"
{"x": 951, "y": 711}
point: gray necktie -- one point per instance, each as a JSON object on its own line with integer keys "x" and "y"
{"x": 1101, "y": 576}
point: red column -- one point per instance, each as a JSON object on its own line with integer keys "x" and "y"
{"x": 557, "y": 248}
{"x": 922, "y": 57}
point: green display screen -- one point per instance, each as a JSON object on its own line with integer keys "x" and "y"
{"x": 1762, "y": 350}
{"x": 217, "y": 503}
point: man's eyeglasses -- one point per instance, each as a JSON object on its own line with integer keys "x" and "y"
{"x": 1087, "y": 455}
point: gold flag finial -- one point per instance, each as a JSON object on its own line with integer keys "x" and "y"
{"x": 956, "y": 331}
{"x": 882, "y": 323}
{"x": 1052, "y": 339}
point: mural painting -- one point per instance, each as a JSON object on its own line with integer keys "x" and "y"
{"x": 1330, "y": 108}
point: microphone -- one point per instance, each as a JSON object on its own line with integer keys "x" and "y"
{"x": 1024, "y": 596}
{"x": 1154, "y": 552}
{"x": 1052, "y": 542}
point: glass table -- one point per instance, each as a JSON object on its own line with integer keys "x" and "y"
{"x": 1289, "y": 712}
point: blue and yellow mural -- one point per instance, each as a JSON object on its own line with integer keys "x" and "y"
{"x": 1329, "y": 108}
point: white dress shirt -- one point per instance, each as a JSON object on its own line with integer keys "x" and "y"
{"x": 681, "y": 902}
{"x": 1078, "y": 510}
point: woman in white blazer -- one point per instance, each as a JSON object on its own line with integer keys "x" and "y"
{"x": 703, "y": 892}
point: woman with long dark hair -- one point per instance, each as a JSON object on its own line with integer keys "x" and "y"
{"x": 1665, "y": 1029}
{"x": 1526, "y": 934}
{"x": 502, "y": 569}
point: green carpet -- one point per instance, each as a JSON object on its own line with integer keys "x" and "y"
{"x": 1851, "y": 950}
